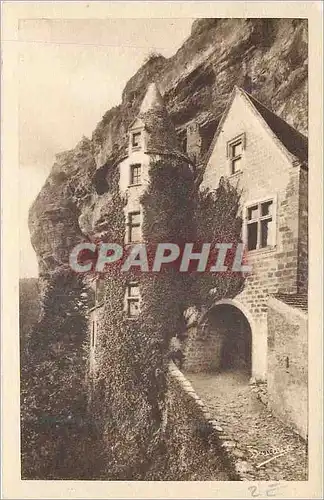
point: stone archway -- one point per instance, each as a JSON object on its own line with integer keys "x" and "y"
{"x": 230, "y": 338}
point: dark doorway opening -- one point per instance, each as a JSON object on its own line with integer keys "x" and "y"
{"x": 232, "y": 337}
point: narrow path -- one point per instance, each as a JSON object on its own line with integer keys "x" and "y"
{"x": 257, "y": 433}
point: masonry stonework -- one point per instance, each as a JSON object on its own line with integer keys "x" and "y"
{"x": 287, "y": 364}
{"x": 268, "y": 172}
{"x": 303, "y": 232}
{"x": 222, "y": 340}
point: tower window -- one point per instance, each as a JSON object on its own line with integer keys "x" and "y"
{"x": 134, "y": 227}
{"x": 135, "y": 174}
{"x": 260, "y": 229}
{"x": 133, "y": 300}
{"x": 136, "y": 138}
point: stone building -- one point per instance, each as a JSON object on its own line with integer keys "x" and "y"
{"x": 151, "y": 136}
{"x": 267, "y": 160}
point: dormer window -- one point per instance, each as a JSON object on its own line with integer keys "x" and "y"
{"x": 136, "y": 140}
{"x": 235, "y": 149}
{"x": 135, "y": 174}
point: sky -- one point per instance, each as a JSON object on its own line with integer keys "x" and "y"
{"x": 70, "y": 73}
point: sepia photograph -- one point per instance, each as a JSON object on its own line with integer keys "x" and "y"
{"x": 163, "y": 217}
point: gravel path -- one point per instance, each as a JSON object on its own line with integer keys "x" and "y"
{"x": 257, "y": 433}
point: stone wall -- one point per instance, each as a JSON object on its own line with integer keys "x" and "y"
{"x": 202, "y": 349}
{"x": 199, "y": 446}
{"x": 287, "y": 364}
{"x": 303, "y": 232}
{"x": 222, "y": 340}
{"x": 267, "y": 172}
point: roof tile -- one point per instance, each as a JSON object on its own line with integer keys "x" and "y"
{"x": 300, "y": 301}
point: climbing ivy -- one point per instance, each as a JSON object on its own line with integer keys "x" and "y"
{"x": 132, "y": 355}
{"x": 218, "y": 220}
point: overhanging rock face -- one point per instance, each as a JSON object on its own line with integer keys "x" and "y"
{"x": 195, "y": 84}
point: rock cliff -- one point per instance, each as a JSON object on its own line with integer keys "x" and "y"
{"x": 267, "y": 57}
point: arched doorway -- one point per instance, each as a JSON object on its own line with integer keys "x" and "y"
{"x": 230, "y": 337}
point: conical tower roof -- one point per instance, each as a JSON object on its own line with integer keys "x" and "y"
{"x": 162, "y": 137}
{"x": 152, "y": 100}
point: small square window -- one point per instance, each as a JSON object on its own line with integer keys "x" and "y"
{"x": 253, "y": 212}
{"x": 252, "y": 235}
{"x": 237, "y": 149}
{"x": 266, "y": 233}
{"x": 133, "y": 290}
{"x": 135, "y": 174}
{"x": 134, "y": 227}
{"x": 236, "y": 165}
{"x": 133, "y": 300}
{"x": 133, "y": 308}
{"x": 260, "y": 226}
{"x": 134, "y": 218}
{"x": 235, "y": 153}
{"x": 266, "y": 208}
{"x": 136, "y": 138}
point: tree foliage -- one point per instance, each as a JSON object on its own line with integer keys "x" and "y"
{"x": 53, "y": 383}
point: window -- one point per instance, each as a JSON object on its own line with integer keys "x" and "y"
{"x": 260, "y": 230}
{"x": 133, "y": 300}
{"x": 135, "y": 174}
{"x": 235, "y": 153}
{"x": 236, "y": 157}
{"x": 136, "y": 138}
{"x": 134, "y": 227}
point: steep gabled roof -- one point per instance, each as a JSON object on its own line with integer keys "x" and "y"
{"x": 220, "y": 125}
{"x": 295, "y": 142}
{"x": 297, "y": 300}
{"x": 289, "y": 139}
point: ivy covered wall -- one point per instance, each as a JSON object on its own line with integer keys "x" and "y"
{"x": 111, "y": 423}
{"x": 129, "y": 386}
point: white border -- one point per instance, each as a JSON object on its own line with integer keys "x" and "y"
{"x": 13, "y": 487}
